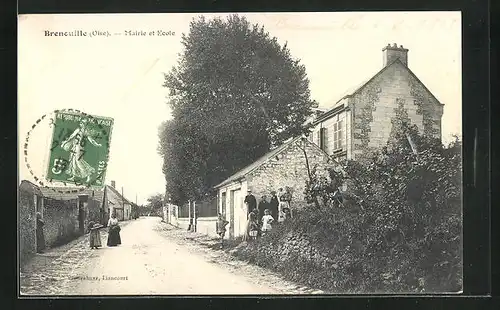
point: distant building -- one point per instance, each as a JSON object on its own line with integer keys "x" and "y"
{"x": 115, "y": 202}
{"x": 361, "y": 120}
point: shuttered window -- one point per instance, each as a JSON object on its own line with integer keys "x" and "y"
{"x": 338, "y": 135}
{"x": 323, "y": 139}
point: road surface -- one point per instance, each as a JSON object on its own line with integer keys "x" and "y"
{"x": 146, "y": 263}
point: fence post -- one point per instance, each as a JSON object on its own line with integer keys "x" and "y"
{"x": 189, "y": 216}
{"x": 195, "y": 218}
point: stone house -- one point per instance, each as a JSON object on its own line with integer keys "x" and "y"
{"x": 115, "y": 202}
{"x": 284, "y": 166}
{"x": 361, "y": 120}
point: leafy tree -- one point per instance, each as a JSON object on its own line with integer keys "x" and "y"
{"x": 155, "y": 203}
{"x": 234, "y": 94}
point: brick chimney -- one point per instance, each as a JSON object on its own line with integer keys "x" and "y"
{"x": 113, "y": 184}
{"x": 393, "y": 52}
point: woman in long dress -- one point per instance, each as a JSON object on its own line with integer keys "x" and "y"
{"x": 95, "y": 235}
{"x": 114, "y": 232}
{"x": 75, "y": 144}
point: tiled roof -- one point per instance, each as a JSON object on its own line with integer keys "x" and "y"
{"x": 70, "y": 193}
{"x": 30, "y": 187}
{"x": 259, "y": 162}
{"x": 116, "y": 192}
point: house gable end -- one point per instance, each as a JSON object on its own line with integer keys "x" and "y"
{"x": 393, "y": 95}
{"x": 288, "y": 169}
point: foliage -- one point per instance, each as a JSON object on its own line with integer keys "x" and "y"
{"x": 155, "y": 203}
{"x": 397, "y": 228}
{"x": 234, "y": 94}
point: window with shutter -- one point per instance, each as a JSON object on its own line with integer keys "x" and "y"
{"x": 322, "y": 138}
{"x": 326, "y": 141}
{"x": 337, "y": 135}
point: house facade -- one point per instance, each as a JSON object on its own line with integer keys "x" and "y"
{"x": 116, "y": 203}
{"x": 358, "y": 122}
{"x": 282, "y": 167}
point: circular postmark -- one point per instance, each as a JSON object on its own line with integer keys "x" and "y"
{"x": 67, "y": 150}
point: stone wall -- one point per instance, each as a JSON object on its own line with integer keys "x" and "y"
{"x": 206, "y": 225}
{"x": 288, "y": 169}
{"x": 27, "y": 223}
{"x": 394, "y": 93}
{"x": 61, "y": 221}
{"x": 95, "y": 212}
{"x": 182, "y": 223}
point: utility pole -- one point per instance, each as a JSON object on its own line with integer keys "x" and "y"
{"x": 123, "y": 204}
{"x": 194, "y": 216}
{"x": 189, "y": 214}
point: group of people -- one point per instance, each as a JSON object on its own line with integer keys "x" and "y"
{"x": 114, "y": 238}
{"x": 262, "y": 217}
{"x": 278, "y": 205}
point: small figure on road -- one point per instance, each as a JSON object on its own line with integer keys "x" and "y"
{"x": 40, "y": 237}
{"x": 267, "y": 221}
{"x": 114, "y": 231}
{"x": 221, "y": 228}
{"x": 95, "y": 235}
{"x": 250, "y": 202}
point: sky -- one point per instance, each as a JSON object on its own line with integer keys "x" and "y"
{"x": 121, "y": 76}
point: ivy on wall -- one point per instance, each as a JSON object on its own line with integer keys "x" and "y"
{"x": 425, "y": 107}
{"x": 368, "y": 97}
{"x": 401, "y": 116}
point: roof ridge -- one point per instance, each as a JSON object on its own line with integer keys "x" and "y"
{"x": 118, "y": 193}
{"x": 361, "y": 86}
{"x": 257, "y": 163}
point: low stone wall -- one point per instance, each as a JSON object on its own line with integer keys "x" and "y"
{"x": 292, "y": 245}
{"x": 182, "y": 223}
{"x": 207, "y": 225}
{"x": 61, "y": 221}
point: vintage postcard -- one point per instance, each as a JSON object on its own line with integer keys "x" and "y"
{"x": 240, "y": 154}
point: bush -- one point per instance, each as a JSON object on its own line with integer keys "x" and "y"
{"x": 396, "y": 229}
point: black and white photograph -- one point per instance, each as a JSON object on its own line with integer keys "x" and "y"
{"x": 177, "y": 154}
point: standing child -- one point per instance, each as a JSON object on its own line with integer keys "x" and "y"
{"x": 267, "y": 221}
{"x": 253, "y": 226}
{"x": 221, "y": 228}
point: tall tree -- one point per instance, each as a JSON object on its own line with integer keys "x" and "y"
{"x": 234, "y": 94}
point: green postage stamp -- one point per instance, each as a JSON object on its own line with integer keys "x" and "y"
{"x": 79, "y": 149}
